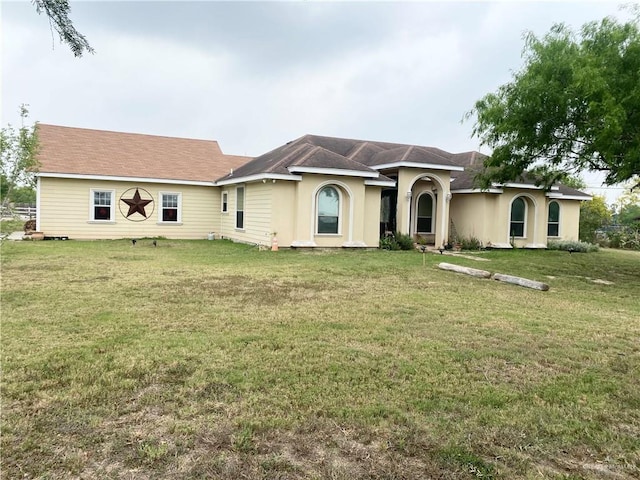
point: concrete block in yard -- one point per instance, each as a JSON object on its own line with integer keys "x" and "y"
{"x": 523, "y": 282}
{"x": 474, "y": 272}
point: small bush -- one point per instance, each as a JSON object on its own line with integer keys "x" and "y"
{"x": 572, "y": 246}
{"x": 470, "y": 243}
{"x": 389, "y": 243}
{"x": 627, "y": 238}
{"x": 404, "y": 240}
{"x": 397, "y": 241}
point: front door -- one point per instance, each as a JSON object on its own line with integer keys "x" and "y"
{"x": 388, "y": 211}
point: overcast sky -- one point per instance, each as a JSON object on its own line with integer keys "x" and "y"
{"x": 254, "y": 75}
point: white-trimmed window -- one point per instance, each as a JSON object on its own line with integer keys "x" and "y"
{"x": 424, "y": 216}
{"x": 518, "y": 218}
{"x": 102, "y": 205}
{"x": 553, "y": 220}
{"x": 224, "y": 202}
{"x": 170, "y": 207}
{"x": 328, "y": 208}
{"x": 240, "y": 208}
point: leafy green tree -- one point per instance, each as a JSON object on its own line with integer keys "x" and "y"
{"x": 630, "y": 216}
{"x": 574, "y": 106}
{"x": 58, "y": 12}
{"x": 628, "y": 207}
{"x": 4, "y": 186}
{"x": 594, "y": 215}
{"x": 23, "y": 195}
{"x": 573, "y": 181}
{"x": 18, "y": 162}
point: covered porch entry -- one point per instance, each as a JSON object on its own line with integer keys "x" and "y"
{"x": 418, "y": 205}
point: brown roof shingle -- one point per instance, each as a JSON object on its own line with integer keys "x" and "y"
{"x": 81, "y": 151}
{"x": 340, "y": 153}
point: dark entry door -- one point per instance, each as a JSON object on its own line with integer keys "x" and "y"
{"x": 388, "y": 211}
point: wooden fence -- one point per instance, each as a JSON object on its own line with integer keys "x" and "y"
{"x": 22, "y": 210}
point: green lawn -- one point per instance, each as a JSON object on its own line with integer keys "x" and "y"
{"x": 201, "y": 359}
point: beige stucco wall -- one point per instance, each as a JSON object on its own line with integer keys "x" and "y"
{"x": 289, "y": 208}
{"x": 64, "y": 210}
{"x": 486, "y": 216}
{"x": 359, "y": 216}
{"x": 409, "y": 180}
{"x": 569, "y": 219}
{"x": 474, "y": 215}
{"x": 371, "y": 218}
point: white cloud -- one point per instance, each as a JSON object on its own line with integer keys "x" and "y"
{"x": 255, "y": 75}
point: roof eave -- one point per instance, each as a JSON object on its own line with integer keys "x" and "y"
{"x": 115, "y": 178}
{"x": 257, "y": 178}
{"x": 428, "y": 166}
{"x": 333, "y": 171}
{"x": 478, "y": 190}
{"x": 529, "y": 186}
{"x": 560, "y": 196}
{"x": 380, "y": 183}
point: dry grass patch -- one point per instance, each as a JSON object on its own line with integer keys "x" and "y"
{"x": 215, "y": 360}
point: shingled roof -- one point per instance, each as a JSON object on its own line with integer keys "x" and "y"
{"x": 356, "y": 156}
{"x": 81, "y": 151}
{"x": 473, "y": 163}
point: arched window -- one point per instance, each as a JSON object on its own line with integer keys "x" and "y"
{"x": 328, "y": 208}
{"x": 518, "y": 213}
{"x": 424, "y": 219}
{"x": 553, "y": 222}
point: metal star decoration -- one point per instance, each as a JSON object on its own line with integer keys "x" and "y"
{"x": 136, "y": 204}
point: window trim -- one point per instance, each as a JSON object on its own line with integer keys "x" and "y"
{"x": 224, "y": 201}
{"x": 92, "y": 205}
{"x": 432, "y": 216}
{"x": 161, "y": 208}
{"x": 240, "y": 225}
{"x": 549, "y": 223}
{"x": 317, "y": 213}
{"x": 524, "y": 220}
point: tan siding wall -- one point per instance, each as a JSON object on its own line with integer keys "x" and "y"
{"x": 257, "y": 214}
{"x": 227, "y": 221}
{"x": 65, "y": 210}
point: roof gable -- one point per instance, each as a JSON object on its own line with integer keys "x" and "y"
{"x": 319, "y": 157}
{"x": 80, "y": 151}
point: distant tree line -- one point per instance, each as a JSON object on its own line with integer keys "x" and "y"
{"x": 18, "y": 161}
{"x": 617, "y": 227}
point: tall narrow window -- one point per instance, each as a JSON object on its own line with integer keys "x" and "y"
{"x": 425, "y": 214}
{"x": 328, "y": 209}
{"x": 240, "y": 207}
{"x": 225, "y": 202}
{"x": 102, "y": 207}
{"x": 518, "y": 211}
{"x": 553, "y": 223}
{"x": 170, "y": 207}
